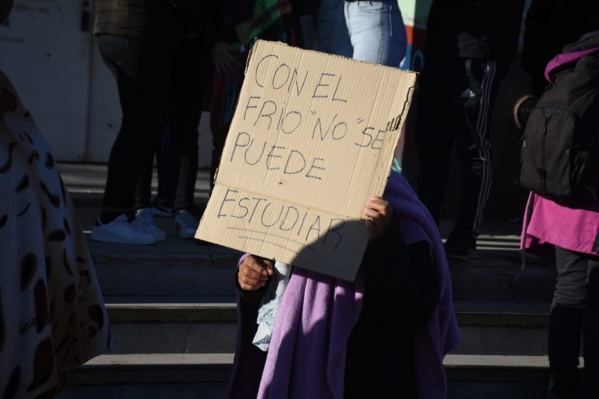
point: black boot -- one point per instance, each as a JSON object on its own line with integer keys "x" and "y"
{"x": 565, "y": 325}
{"x": 590, "y": 331}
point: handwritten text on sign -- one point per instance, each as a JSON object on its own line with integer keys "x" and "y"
{"x": 312, "y": 138}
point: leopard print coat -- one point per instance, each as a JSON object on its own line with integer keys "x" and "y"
{"x": 52, "y": 315}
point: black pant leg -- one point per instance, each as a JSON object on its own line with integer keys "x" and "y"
{"x": 142, "y": 71}
{"x": 590, "y": 331}
{"x": 566, "y": 321}
{"x": 189, "y": 77}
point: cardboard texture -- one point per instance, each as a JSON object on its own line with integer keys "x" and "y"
{"x": 312, "y": 138}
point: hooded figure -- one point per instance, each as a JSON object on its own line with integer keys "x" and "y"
{"x": 388, "y": 329}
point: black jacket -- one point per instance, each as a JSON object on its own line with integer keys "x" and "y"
{"x": 549, "y": 26}
{"x": 165, "y": 22}
{"x": 483, "y": 29}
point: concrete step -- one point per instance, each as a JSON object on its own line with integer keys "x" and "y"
{"x": 184, "y": 268}
{"x": 154, "y": 376}
{"x": 504, "y": 329}
{"x": 166, "y": 275}
{"x": 179, "y": 328}
{"x": 206, "y": 376}
{"x": 173, "y": 328}
{"x": 499, "y": 275}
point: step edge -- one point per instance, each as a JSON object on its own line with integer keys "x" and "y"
{"x": 227, "y": 312}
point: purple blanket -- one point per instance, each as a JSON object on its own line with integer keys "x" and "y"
{"x": 306, "y": 358}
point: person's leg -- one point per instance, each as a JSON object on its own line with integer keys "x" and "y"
{"x": 144, "y": 215}
{"x": 141, "y": 70}
{"x": 187, "y": 100}
{"x": 225, "y": 91}
{"x": 330, "y": 23}
{"x": 143, "y": 191}
{"x": 474, "y": 86}
{"x": 343, "y": 44}
{"x": 565, "y": 322}
{"x": 590, "y": 333}
{"x": 167, "y": 169}
{"x": 377, "y": 31}
{"x": 219, "y": 136}
{"x": 434, "y": 136}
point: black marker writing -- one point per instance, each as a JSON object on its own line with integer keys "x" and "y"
{"x": 372, "y": 138}
{"x": 258, "y": 213}
{"x": 282, "y": 76}
{"x": 289, "y": 161}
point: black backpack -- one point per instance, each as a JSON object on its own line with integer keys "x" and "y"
{"x": 560, "y": 147}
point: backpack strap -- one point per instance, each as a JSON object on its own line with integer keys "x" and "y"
{"x": 527, "y": 217}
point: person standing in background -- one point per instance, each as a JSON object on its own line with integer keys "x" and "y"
{"x": 241, "y": 21}
{"x": 374, "y": 31}
{"x": 572, "y": 233}
{"x": 569, "y": 234}
{"x": 155, "y": 50}
{"x": 178, "y": 146}
{"x": 548, "y": 27}
{"x": 383, "y": 335}
{"x": 469, "y": 47}
{"x": 371, "y": 31}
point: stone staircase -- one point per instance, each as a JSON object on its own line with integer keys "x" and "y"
{"x": 173, "y": 315}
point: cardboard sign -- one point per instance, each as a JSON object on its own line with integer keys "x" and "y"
{"x": 312, "y": 138}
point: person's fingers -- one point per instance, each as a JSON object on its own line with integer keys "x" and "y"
{"x": 249, "y": 280}
{"x": 371, "y": 229}
{"x": 235, "y": 64}
{"x": 378, "y": 214}
{"x": 378, "y": 205}
{"x": 232, "y": 65}
{"x": 267, "y": 267}
{"x": 254, "y": 272}
{"x": 226, "y": 66}
{"x": 229, "y": 69}
{"x": 257, "y": 264}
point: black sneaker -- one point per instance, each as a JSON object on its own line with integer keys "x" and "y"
{"x": 461, "y": 251}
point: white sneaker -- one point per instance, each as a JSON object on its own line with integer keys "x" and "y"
{"x": 120, "y": 231}
{"x": 185, "y": 224}
{"x": 144, "y": 221}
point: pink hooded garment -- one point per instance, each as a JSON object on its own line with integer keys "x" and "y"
{"x": 306, "y": 358}
{"x": 574, "y": 229}
{"x": 547, "y": 223}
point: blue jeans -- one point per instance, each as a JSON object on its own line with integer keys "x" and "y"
{"x": 330, "y": 20}
{"x": 374, "y": 31}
